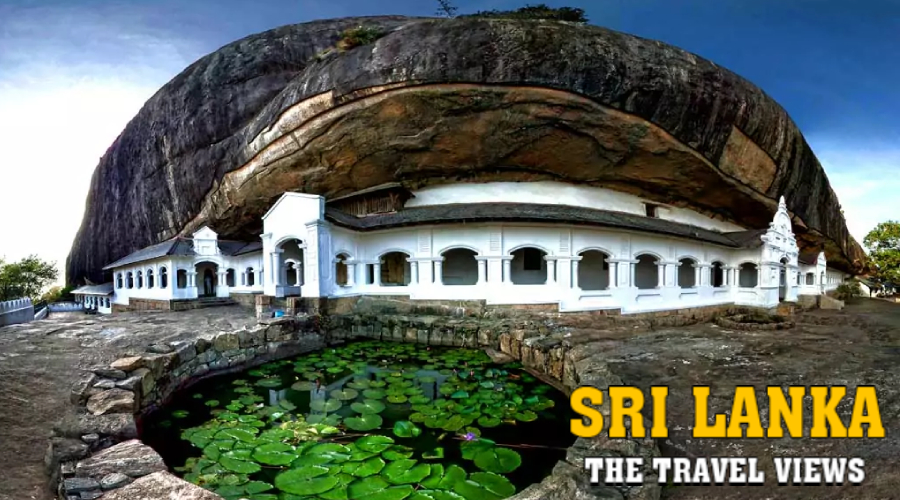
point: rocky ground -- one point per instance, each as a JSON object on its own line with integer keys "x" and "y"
{"x": 40, "y": 361}
{"x": 859, "y": 346}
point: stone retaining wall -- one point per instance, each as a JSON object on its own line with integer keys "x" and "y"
{"x": 14, "y": 312}
{"x": 111, "y": 400}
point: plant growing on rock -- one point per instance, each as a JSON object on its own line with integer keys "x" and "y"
{"x": 540, "y": 11}
{"x": 848, "y": 290}
{"x": 355, "y": 37}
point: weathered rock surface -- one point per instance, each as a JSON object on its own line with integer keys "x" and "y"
{"x": 161, "y": 485}
{"x": 132, "y": 458}
{"x": 111, "y": 401}
{"x": 263, "y": 115}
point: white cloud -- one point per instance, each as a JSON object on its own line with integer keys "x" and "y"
{"x": 866, "y": 179}
{"x": 60, "y": 112}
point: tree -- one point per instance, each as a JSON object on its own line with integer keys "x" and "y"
{"x": 883, "y": 244}
{"x": 446, "y": 9}
{"x": 25, "y": 278}
{"x": 539, "y": 11}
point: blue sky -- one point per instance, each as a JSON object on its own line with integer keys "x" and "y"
{"x": 72, "y": 73}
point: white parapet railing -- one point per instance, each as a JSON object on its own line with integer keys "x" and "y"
{"x": 13, "y": 312}
{"x": 58, "y": 307}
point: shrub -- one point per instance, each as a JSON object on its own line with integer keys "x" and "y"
{"x": 540, "y": 11}
{"x": 847, "y": 290}
{"x": 358, "y": 36}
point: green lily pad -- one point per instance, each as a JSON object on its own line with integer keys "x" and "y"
{"x": 406, "y": 429}
{"x": 344, "y": 394}
{"x": 375, "y": 444}
{"x": 254, "y": 487}
{"x": 368, "y": 406}
{"x": 526, "y": 416}
{"x": 274, "y": 454}
{"x": 486, "y": 421}
{"x": 373, "y": 394}
{"x": 485, "y": 486}
{"x": 427, "y": 380}
{"x": 269, "y": 383}
{"x": 419, "y": 400}
{"x": 287, "y": 405}
{"x": 358, "y": 384}
{"x": 234, "y": 464}
{"x": 435, "y": 454}
{"x": 306, "y": 481}
{"x": 212, "y": 403}
{"x": 436, "y": 495}
{"x": 376, "y": 488}
{"x": 397, "y": 452}
{"x": 303, "y": 385}
{"x": 180, "y": 414}
{"x": 322, "y": 418}
{"x": 364, "y": 422}
{"x": 326, "y": 405}
{"x": 365, "y": 468}
{"x": 397, "y": 398}
{"x": 500, "y": 460}
{"x": 459, "y": 395}
{"x": 405, "y": 471}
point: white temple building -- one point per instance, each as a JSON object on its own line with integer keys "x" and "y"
{"x": 583, "y": 248}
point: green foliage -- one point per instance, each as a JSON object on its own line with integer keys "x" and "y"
{"x": 848, "y": 290}
{"x": 883, "y": 244}
{"x": 361, "y": 35}
{"x": 25, "y": 278}
{"x": 540, "y": 11}
{"x": 58, "y": 294}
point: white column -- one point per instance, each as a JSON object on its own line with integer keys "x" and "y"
{"x": 612, "y": 274}
{"x": 438, "y": 271}
{"x": 551, "y": 270}
{"x": 632, "y": 269}
{"x": 351, "y": 274}
{"x": 259, "y": 277}
{"x": 243, "y": 278}
{"x": 759, "y": 276}
{"x": 376, "y": 274}
{"x": 575, "y": 274}
{"x": 697, "y": 278}
{"x": 482, "y": 271}
{"x": 276, "y": 267}
{"x": 413, "y": 271}
{"x": 660, "y": 275}
{"x": 298, "y": 275}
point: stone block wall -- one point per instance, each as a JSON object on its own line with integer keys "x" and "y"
{"x": 245, "y": 299}
{"x": 111, "y": 400}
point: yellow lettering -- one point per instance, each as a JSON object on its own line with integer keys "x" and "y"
{"x": 745, "y": 411}
{"x": 825, "y": 409}
{"x": 595, "y": 396}
{"x": 701, "y": 410}
{"x": 779, "y": 411}
{"x": 659, "y": 394}
{"x": 866, "y": 400}
{"x": 618, "y": 411}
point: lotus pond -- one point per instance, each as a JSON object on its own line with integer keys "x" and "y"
{"x": 366, "y": 421}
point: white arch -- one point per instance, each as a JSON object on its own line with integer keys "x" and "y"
{"x": 392, "y": 250}
{"x": 459, "y": 247}
{"x": 343, "y": 252}
{"x": 528, "y": 245}
{"x": 284, "y": 239}
{"x": 201, "y": 259}
{"x": 688, "y": 256}
{"x": 636, "y": 255}
{"x": 608, "y": 253}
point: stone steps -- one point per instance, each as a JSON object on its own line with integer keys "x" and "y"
{"x": 205, "y": 302}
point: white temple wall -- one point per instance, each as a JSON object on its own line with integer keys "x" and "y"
{"x": 559, "y": 193}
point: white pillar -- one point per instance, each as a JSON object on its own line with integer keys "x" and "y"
{"x": 259, "y": 277}
{"x": 759, "y": 277}
{"x": 612, "y": 274}
{"x": 482, "y": 271}
{"x": 632, "y": 269}
{"x": 507, "y": 271}
{"x": 276, "y": 267}
{"x": 298, "y": 274}
{"x": 697, "y": 278}
{"x": 438, "y": 271}
{"x": 351, "y": 274}
{"x": 660, "y": 275}
{"x": 376, "y": 274}
{"x": 413, "y": 271}
{"x": 551, "y": 271}
{"x": 575, "y": 274}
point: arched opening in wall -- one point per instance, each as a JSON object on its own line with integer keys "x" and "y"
{"x": 120, "y": 282}
{"x": 293, "y": 273}
{"x": 460, "y": 267}
{"x": 593, "y": 270}
{"x": 181, "y": 278}
{"x": 646, "y": 272}
{"x": 140, "y": 279}
{"x": 810, "y": 279}
{"x": 292, "y": 262}
{"x": 718, "y": 275}
{"x": 207, "y": 274}
{"x": 250, "y": 277}
{"x": 395, "y": 270}
{"x": 528, "y": 267}
{"x": 340, "y": 269}
{"x": 229, "y": 277}
{"x": 748, "y": 275}
{"x": 163, "y": 277}
{"x": 687, "y": 273}
{"x": 150, "y": 278}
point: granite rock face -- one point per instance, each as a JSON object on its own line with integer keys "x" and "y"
{"x": 449, "y": 100}
{"x": 161, "y": 485}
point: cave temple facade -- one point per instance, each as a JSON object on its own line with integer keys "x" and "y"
{"x": 581, "y": 248}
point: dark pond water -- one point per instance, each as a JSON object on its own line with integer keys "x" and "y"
{"x": 367, "y": 420}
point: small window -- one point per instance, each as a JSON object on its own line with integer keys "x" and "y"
{"x": 532, "y": 259}
{"x": 651, "y": 210}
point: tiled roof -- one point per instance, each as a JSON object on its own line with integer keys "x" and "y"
{"x": 184, "y": 246}
{"x": 104, "y": 289}
{"x": 527, "y": 212}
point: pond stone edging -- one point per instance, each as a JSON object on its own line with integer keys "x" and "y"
{"x": 97, "y": 452}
